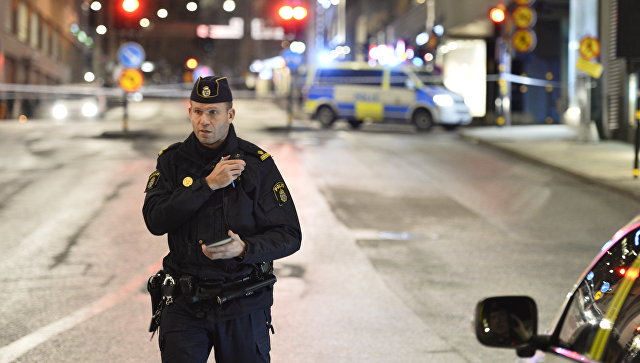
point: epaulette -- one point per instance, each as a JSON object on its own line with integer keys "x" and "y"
{"x": 253, "y": 150}
{"x": 170, "y": 147}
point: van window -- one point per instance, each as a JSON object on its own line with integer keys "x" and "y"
{"x": 349, "y": 76}
{"x": 430, "y": 79}
{"x": 398, "y": 79}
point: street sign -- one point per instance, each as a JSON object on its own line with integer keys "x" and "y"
{"x": 524, "y": 17}
{"x": 524, "y": 40}
{"x": 131, "y": 80}
{"x": 294, "y": 60}
{"x": 131, "y": 55}
{"x": 589, "y": 48}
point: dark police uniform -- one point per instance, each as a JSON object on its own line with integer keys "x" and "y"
{"x": 257, "y": 206}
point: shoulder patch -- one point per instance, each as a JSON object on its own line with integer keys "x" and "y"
{"x": 263, "y": 155}
{"x": 170, "y": 147}
{"x": 153, "y": 180}
{"x": 279, "y": 191}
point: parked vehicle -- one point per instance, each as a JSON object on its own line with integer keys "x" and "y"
{"x": 359, "y": 92}
{"x": 600, "y": 320}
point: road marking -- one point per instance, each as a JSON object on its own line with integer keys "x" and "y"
{"x": 19, "y": 347}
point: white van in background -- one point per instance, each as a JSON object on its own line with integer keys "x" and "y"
{"x": 359, "y": 92}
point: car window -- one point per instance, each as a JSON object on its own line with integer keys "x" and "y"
{"x": 327, "y": 77}
{"x": 603, "y": 317}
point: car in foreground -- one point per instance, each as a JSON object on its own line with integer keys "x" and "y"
{"x": 600, "y": 319}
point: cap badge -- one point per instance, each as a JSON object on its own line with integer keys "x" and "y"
{"x": 206, "y": 92}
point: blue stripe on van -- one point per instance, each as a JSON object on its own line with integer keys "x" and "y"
{"x": 395, "y": 112}
{"x": 316, "y": 92}
{"x": 346, "y": 109}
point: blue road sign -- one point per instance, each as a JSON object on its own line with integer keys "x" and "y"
{"x": 294, "y": 60}
{"x": 131, "y": 55}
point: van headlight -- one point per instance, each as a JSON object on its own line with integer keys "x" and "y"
{"x": 443, "y": 100}
{"x": 89, "y": 109}
{"x": 59, "y": 111}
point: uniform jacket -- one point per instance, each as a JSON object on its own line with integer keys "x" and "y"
{"x": 259, "y": 208}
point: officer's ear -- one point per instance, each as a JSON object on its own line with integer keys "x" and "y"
{"x": 232, "y": 114}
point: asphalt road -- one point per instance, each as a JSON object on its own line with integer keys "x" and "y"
{"x": 403, "y": 233}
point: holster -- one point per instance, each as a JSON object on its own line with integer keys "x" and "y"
{"x": 154, "y": 287}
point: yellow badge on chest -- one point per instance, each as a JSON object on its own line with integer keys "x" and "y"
{"x": 187, "y": 181}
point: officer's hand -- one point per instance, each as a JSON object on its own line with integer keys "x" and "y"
{"x": 232, "y": 249}
{"x": 225, "y": 172}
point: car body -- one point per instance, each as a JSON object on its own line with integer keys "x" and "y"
{"x": 359, "y": 92}
{"x": 600, "y": 319}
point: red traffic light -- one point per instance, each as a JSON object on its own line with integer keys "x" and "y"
{"x": 287, "y": 12}
{"x": 130, "y": 6}
{"x": 497, "y": 14}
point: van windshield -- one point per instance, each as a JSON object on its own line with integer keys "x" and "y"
{"x": 430, "y": 79}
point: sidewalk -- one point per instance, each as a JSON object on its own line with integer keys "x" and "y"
{"x": 609, "y": 163}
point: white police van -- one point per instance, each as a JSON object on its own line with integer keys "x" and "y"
{"x": 359, "y": 92}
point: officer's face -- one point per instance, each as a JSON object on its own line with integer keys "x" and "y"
{"x": 211, "y": 122}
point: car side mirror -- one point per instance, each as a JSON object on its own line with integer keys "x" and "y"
{"x": 506, "y": 321}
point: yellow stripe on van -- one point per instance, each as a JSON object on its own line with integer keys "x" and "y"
{"x": 373, "y": 110}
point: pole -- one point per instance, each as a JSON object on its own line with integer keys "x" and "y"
{"x": 125, "y": 115}
{"x": 290, "y": 100}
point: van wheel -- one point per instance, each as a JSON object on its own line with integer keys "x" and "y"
{"x": 326, "y": 116}
{"x": 355, "y": 124}
{"x": 422, "y": 119}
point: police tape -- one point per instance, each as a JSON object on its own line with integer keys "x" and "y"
{"x": 177, "y": 90}
{"x": 527, "y": 81}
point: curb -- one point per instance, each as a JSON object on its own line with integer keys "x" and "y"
{"x": 534, "y": 160}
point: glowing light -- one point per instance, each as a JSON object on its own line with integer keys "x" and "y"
{"x": 101, "y": 29}
{"x": 632, "y": 273}
{"x": 191, "y": 6}
{"x": 89, "y": 77}
{"x": 622, "y": 271}
{"x": 96, "y": 6}
{"x": 147, "y": 67}
{"x": 438, "y": 30}
{"x": 417, "y": 62}
{"x": 229, "y": 6}
{"x": 497, "y": 15}
{"x": 192, "y": 63}
{"x": 144, "y": 22}
{"x": 59, "y": 111}
{"x": 422, "y": 38}
{"x": 130, "y": 5}
{"x": 89, "y": 109}
{"x": 162, "y": 13}
{"x": 605, "y": 324}
{"x": 298, "y": 47}
{"x": 286, "y": 12}
{"x": 299, "y": 12}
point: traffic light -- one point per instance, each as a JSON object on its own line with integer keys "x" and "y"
{"x": 127, "y": 14}
{"x": 293, "y": 19}
{"x": 498, "y": 15}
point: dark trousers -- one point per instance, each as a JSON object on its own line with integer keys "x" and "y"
{"x": 189, "y": 339}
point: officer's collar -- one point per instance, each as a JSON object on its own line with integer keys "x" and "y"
{"x": 190, "y": 146}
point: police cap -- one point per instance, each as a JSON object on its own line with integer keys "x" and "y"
{"x": 211, "y": 89}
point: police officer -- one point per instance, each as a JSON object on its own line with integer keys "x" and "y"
{"x": 213, "y": 186}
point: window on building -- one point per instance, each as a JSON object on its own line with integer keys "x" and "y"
{"x": 44, "y": 38}
{"x": 35, "y": 30}
{"x": 22, "y": 19}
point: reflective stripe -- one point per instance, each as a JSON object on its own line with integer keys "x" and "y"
{"x": 622, "y": 291}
